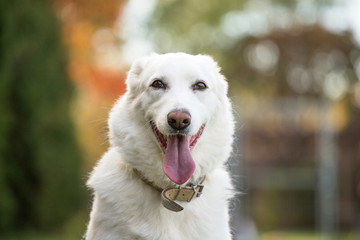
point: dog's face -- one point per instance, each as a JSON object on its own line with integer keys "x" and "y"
{"x": 178, "y": 97}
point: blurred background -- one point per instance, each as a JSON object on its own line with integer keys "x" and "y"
{"x": 294, "y": 74}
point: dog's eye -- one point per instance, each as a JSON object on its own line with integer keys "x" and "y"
{"x": 158, "y": 84}
{"x": 200, "y": 85}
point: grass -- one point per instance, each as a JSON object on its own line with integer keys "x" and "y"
{"x": 274, "y": 235}
{"x": 279, "y": 235}
{"x": 41, "y": 237}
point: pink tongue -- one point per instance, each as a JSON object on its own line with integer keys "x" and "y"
{"x": 178, "y": 164}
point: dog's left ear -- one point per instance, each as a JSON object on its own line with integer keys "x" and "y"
{"x": 222, "y": 88}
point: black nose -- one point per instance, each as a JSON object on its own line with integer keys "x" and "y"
{"x": 179, "y": 119}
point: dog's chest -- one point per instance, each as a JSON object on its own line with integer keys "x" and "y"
{"x": 160, "y": 223}
{"x": 145, "y": 217}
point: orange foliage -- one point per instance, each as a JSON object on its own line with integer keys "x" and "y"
{"x": 98, "y": 85}
{"x": 110, "y": 82}
{"x": 80, "y": 21}
{"x": 100, "y": 13}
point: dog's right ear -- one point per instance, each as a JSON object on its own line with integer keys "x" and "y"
{"x": 133, "y": 81}
{"x": 133, "y": 77}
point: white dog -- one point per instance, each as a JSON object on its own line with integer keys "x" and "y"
{"x": 163, "y": 177}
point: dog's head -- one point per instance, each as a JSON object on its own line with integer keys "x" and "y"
{"x": 175, "y": 113}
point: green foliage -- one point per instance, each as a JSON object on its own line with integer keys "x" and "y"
{"x": 297, "y": 61}
{"x": 195, "y": 26}
{"x": 40, "y": 182}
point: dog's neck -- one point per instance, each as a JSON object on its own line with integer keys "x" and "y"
{"x": 170, "y": 194}
{"x": 147, "y": 181}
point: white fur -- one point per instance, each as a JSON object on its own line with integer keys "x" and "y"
{"x": 124, "y": 206}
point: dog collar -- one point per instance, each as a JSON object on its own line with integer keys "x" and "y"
{"x": 175, "y": 193}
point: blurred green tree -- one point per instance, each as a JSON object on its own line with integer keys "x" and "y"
{"x": 304, "y": 60}
{"x": 40, "y": 179}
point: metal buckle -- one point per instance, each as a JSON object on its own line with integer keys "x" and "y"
{"x": 201, "y": 187}
{"x": 200, "y": 190}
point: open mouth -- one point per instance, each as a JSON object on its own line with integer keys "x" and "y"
{"x": 178, "y": 163}
{"x": 162, "y": 139}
